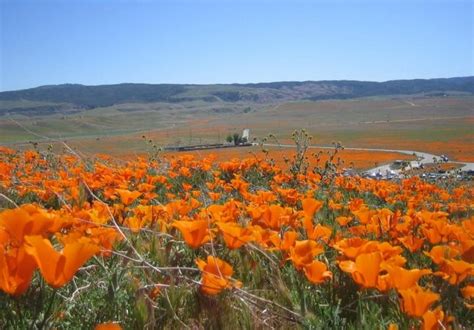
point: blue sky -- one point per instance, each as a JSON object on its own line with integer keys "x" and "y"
{"x": 223, "y": 41}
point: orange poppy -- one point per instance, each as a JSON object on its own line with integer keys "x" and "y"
{"x": 343, "y": 221}
{"x": 127, "y": 197}
{"x": 108, "y": 326}
{"x": 273, "y": 216}
{"x": 335, "y": 206}
{"x": 104, "y": 237}
{"x": 317, "y": 272}
{"x": 416, "y": 301}
{"x": 401, "y": 278}
{"x": 364, "y": 215}
{"x": 303, "y": 253}
{"x": 187, "y": 187}
{"x": 195, "y": 233}
{"x": 27, "y": 220}
{"x": 432, "y": 234}
{"x": 16, "y": 270}
{"x": 290, "y": 196}
{"x": 320, "y": 232}
{"x": 214, "y": 196}
{"x": 216, "y": 275}
{"x": 310, "y": 207}
{"x": 468, "y": 292}
{"x": 135, "y": 223}
{"x": 365, "y": 270}
{"x": 58, "y": 268}
{"x": 234, "y": 235}
{"x": 355, "y": 204}
{"x": 289, "y": 240}
{"x": 456, "y": 270}
{"x": 352, "y": 247}
{"x": 434, "y": 320}
{"x": 467, "y": 249}
{"x": 411, "y": 242}
{"x": 392, "y": 326}
{"x": 441, "y": 252}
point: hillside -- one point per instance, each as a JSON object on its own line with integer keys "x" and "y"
{"x": 74, "y": 97}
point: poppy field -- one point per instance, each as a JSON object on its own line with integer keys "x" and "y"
{"x": 179, "y": 242}
{"x": 357, "y": 159}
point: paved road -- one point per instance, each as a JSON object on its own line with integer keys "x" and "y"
{"x": 422, "y": 157}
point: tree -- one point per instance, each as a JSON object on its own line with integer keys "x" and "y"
{"x": 236, "y": 138}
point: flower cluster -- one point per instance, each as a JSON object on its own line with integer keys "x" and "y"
{"x": 409, "y": 244}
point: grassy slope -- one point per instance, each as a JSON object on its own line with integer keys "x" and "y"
{"x": 440, "y": 125}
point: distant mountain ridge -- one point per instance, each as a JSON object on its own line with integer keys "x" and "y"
{"x": 87, "y": 97}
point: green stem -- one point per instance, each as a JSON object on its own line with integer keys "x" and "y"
{"x": 48, "y": 309}
{"x": 38, "y": 304}
{"x": 301, "y": 293}
{"x": 18, "y": 309}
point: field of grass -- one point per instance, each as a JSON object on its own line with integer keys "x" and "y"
{"x": 436, "y": 125}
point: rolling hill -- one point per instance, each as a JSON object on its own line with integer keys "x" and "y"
{"x": 74, "y": 97}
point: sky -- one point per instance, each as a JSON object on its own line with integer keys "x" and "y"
{"x": 95, "y": 42}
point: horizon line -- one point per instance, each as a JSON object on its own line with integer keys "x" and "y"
{"x": 246, "y": 83}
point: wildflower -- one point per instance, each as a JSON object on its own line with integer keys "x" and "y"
{"x": 303, "y": 253}
{"x": 58, "y": 268}
{"x": 27, "y": 220}
{"x": 108, "y": 326}
{"x": 234, "y": 235}
{"x": 365, "y": 270}
{"x": 401, "y": 278}
{"x": 416, "y": 301}
{"x": 127, "y": 197}
{"x": 435, "y": 319}
{"x": 16, "y": 270}
{"x": 411, "y": 242}
{"x": 195, "y": 233}
{"x": 317, "y": 272}
{"x": 310, "y": 207}
{"x": 343, "y": 221}
{"x": 216, "y": 275}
